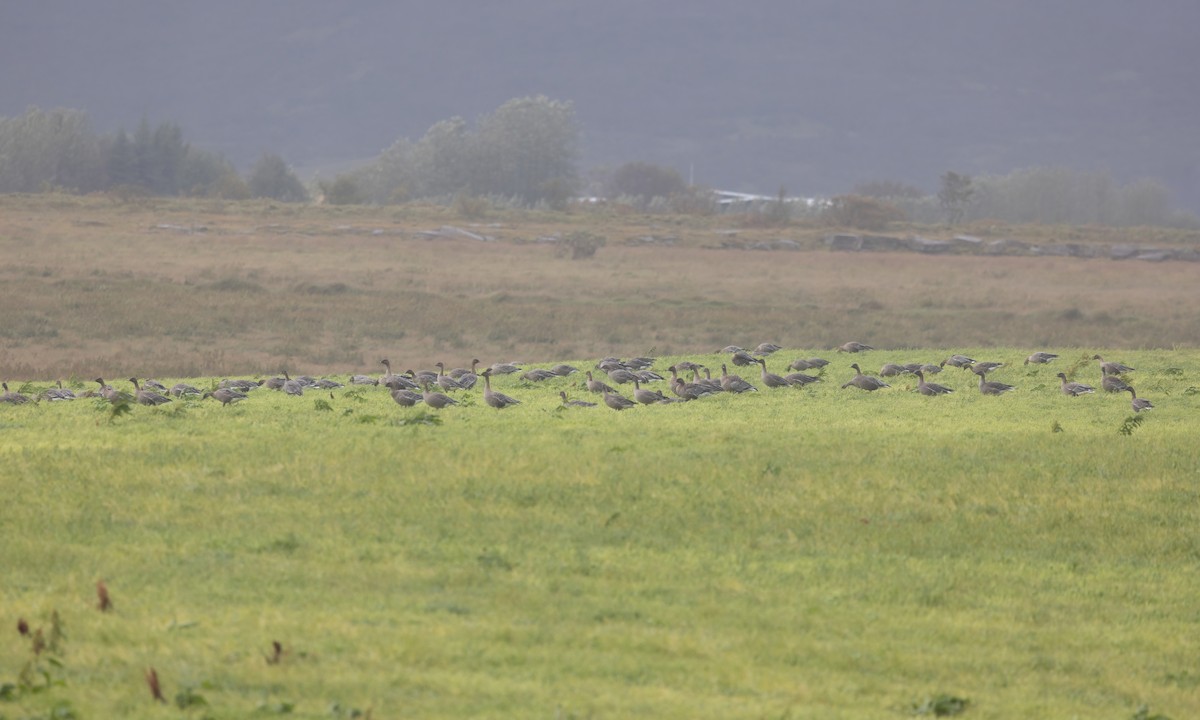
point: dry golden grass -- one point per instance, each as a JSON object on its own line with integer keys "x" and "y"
{"x": 91, "y": 287}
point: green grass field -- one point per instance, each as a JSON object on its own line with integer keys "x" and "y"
{"x": 793, "y": 553}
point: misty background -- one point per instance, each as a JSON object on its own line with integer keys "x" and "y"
{"x": 817, "y": 97}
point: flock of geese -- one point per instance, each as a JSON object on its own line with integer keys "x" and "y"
{"x": 434, "y": 388}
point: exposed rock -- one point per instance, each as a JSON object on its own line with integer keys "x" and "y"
{"x": 884, "y": 243}
{"x": 1005, "y": 246}
{"x": 1154, "y": 255}
{"x": 926, "y": 245}
{"x": 1122, "y": 252}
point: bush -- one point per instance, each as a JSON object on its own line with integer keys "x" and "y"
{"x": 581, "y": 244}
{"x": 862, "y": 213}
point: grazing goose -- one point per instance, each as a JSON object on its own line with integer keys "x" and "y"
{"x": 495, "y": 399}
{"x": 689, "y": 366}
{"x": 734, "y": 383}
{"x": 729, "y": 349}
{"x": 853, "y": 347}
{"x": 815, "y": 363}
{"x": 770, "y": 379}
{"x": 1040, "y": 358}
{"x": 1074, "y": 389}
{"x": 12, "y": 398}
{"x": 741, "y": 358}
{"x": 1112, "y": 383}
{"x": 991, "y": 387}
{"x": 466, "y": 379}
{"x": 537, "y": 375}
{"x": 930, "y": 369}
{"x": 444, "y": 381}
{"x": 154, "y": 385}
{"x": 1112, "y": 368}
{"x": 406, "y": 397}
{"x": 436, "y": 400}
{"x": 239, "y": 385}
{"x": 617, "y": 402}
{"x": 958, "y": 361}
{"x": 574, "y": 403}
{"x": 640, "y": 363}
{"x": 647, "y": 376}
{"x": 292, "y": 387}
{"x": 181, "y": 389}
{"x": 707, "y": 381}
{"x": 892, "y": 370}
{"x": 800, "y": 379}
{"x": 275, "y": 383}
{"x": 363, "y": 380}
{"x": 422, "y": 377}
{"x": 1139, "y": 404}
{"x": 147, "y": 397}
{"x": 504, "y": 368}
{"x": 59, "y": 393}
{"x": 645, "y": 397}
{"x": 621, "y": 376}
{"x": 930, "y": 388}
{"x": 864, "y": 382}
{"x": 987, "y": 367}
{"x": 767, "y": 349}
{"x": 225, "y": 395}
{"x": 596, "y": 386}
{"x": 563, "y": 370}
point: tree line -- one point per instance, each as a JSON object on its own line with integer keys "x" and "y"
{"x": 526, "y": 152}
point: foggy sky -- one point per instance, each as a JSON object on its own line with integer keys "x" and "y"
{"x": 815, "y": 96}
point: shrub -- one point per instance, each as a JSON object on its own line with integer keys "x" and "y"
{"x": 863, "y": 213}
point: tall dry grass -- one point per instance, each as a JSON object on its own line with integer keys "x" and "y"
{"x": 90, "y": 287}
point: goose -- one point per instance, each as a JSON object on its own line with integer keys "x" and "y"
{"x": 327, "y": 384}
{"x": 991, "y": 387}
{"x": 239, "y": 385}
{"x": 800, "y": 364}
{"x": 444, "y": 381}
{"x": 154, "y": 385}
{"x": 959, "y": 361}
{"x": 645, "y": 397}
{"x": 292, "y": 387}
{"x": 596, "y": 386}
{"x": 457, "y": 373}
{"x": 930, "y": 388}
{"x": 767, "y": 348}
{"x": 111, "y": 394}
{"x": 609, "y": 364}
{"x": 930, "y": 369}
{"x": 1112, "y": 368}
{"x": 689, "y": 366}
{"x": 647, "y": 376}
{"x": 853, "y": 347}
{"x": 1112, "y": 383}
{"x": 864, "y": 382}
{"x": 892, "y": 370}
{"x": 401, "y": 382}
{"x": 815, "y": 363}
{"x": 741, "y": 358}
{"x": 574, "y": 403}
{"x": 707, "y": 381}
{"x": 504, "y": 368}
{"x": 1139, "y": 404}
{"x": 800, "y": 379}
{"x": 12, "y": 398}
{"x": 388, "y": 375}
{"x": 563, "y": 370}
{"x": 537, "y": 375}
{"x": 496, "y": 399}
{"x": 225, "y": 395}
{"x": 421, "y": 377}
{"x": 406, "y": 397}
{"x": 621, "y": 376}
{"x": 729, "y": 349}
{"x": 770, "y": 379}
{"x": 275, "y": 383}
{"x": 1074, "y": 389}
{"x": 734, "y": 383}
{"x": 59, "y": 393}
{"x": 363, "y": 380}
{"x": 617, "y": 402}
{"x": 987, "y": 367}
{"x": 436, "y": 400}
{"x": 1040, "y": 358}
{"x": 686, "y": 390}
{"x": 147, "y": 397}
{"x": 181, "y": 389}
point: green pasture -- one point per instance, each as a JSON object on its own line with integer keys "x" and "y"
{"x": 794, "y": 553}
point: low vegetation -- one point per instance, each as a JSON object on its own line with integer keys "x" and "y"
{"x": 796, "y": 552}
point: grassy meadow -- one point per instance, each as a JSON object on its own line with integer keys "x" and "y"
{"x": 811, "y": 552}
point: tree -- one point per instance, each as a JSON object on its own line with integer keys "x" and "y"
{"x": 527, "y": 148}
{"x": 272, "y": 178}
{"x": 342, "y": 191}
{"x": 955, "y": 195}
